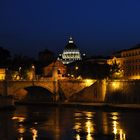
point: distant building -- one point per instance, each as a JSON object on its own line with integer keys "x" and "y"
{"x": 97, "y": 60}
{"x": 56, "y": 65}
{"x": 2, "y": 73}
{"x": 129, "y": 60}
{"x": 70, "y": 53}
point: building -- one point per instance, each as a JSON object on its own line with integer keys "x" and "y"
{"x": 58, "y": 66}
{"x": 129, "y": 61}
{"x": 2, "y": 73}
{"x": 70, "y": 53}
{"x": 97, "y": 60}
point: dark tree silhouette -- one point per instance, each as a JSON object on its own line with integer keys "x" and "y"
{"x": 4, "y": 57}
{"x": 114, "y": 68}
{"x": 89, "y": 70}
{"x": 24, "y": 62}
{"x": 45, "y": 57}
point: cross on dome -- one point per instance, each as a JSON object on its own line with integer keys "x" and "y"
{"x": 70, "y": 40}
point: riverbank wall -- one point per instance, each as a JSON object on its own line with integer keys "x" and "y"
{"x": 90, "y": 91}
{"x": 123, "y": 91}
{"x": 110, "y": 91}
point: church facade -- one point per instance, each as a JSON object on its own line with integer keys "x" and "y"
{"x": 70, "y": 53}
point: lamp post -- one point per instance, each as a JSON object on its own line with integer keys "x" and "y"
{"x": 6, "y": 83}
{"x": 76, "y": 69}
{"x": 19, "y": 70}
{"x": 33, "y": 72}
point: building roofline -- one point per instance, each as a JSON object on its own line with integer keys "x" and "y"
{"x": 129, "y": 49}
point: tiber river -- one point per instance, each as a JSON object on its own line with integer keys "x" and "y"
{"x": 58, "y": 123}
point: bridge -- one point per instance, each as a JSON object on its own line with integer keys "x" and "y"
{"x": 53, "y": 89}
{"x": 86, "y": 90}
{"x": 73, "y": 90}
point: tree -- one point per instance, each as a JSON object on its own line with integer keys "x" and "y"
{"x": 87, "y": 69}
{"x": 22, "y": 64}
{"x": 4, "y": 57}
{"x": 45, "y": 58}
{"x": 115, "y": 70}
{"x": 21, "y": 61}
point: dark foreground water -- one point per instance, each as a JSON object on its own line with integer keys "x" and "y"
{"x": 57, "y": 123}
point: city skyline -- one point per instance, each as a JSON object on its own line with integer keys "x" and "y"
{"x": 97, "y": 27}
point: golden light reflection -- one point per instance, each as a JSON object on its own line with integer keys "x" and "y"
{"x": 78, "y": 126}
{"x": 78, "y": 114}
{"x": 78, "y": 137}
{"x": 117, "y": 130}
{"x": 89, "y": 123}
{"x": 89, "y": 115}
{"x": 89, "y": 137}
{"x": 20, "y": 119}
{"x": 122, "y": 135}
{"x": 105, "y": 123}
{"x": 89, "y": 129}
{"x": 114, "y": 117}
{"x": 21, "y": 131}
{"x": 84, "y": 127}
{"x": 115, "y": 113}
{"x": 35, "y": 133}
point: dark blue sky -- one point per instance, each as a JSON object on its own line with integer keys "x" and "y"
{"x": 97, "y": 26}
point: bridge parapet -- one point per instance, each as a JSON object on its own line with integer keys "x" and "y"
{"x": 70, "y": 87}
{"x": 66, "y": 86}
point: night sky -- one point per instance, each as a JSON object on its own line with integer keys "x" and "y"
{"x": 97, "y": 26}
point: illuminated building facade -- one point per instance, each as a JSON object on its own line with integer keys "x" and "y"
{"x": 2, "y": 73}
{"x": 70, "y": 53}
{"x": 58, "y": 65}
{"x": 129, "y": 61}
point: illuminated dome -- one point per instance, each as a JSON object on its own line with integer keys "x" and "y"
{"x": 71, "y": 45}
{"x": 70, "y": 53}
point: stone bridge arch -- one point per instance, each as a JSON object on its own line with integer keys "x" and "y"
{"x": 60, "y": 89}
{"x": 33, "y": 94}
{"x": 14, "y": 86}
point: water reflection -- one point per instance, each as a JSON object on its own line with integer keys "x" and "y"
{"x": 118, "y": 132}
{"x": 84, "y": 125}
{"x": 105, "y": 123}
{"x": 77, "y": 137}
{"x": 68, "y": 124}
{"x": 21, "y": 131}
{"x": 92, "y": 127}
{"x": 34, "y": 133}
{"x": 18, "y": 118}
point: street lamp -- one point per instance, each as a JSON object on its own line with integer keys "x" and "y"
{"x": 76, "y": 71}
{"x": 33, "y": 72}
{"x": 76, "y": 68}
{"x": 19, "y": 71}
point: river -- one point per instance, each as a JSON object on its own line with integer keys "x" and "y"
{"x": 67, "y": 123}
